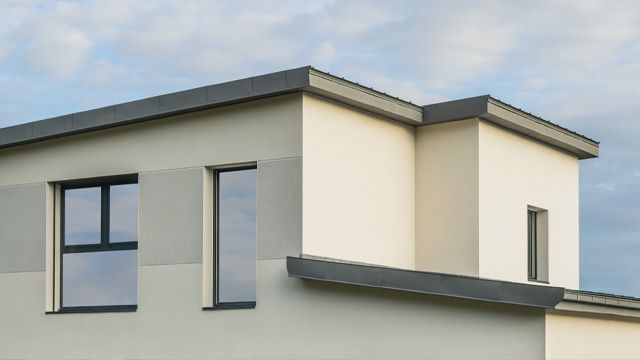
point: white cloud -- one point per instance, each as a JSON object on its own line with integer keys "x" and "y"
{"x": 607, "y": 186}
{"x": 55, "y": 49}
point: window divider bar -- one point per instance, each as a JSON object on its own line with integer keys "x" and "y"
{"x": 131, "y": 245}
{"x": 105, "y": 215}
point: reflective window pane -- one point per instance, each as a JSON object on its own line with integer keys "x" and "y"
{"x": 82, "y": 216}
{"x": 100, "y": 278}
{"x": 123, "y": 213}
{"x": 237, "y": 236}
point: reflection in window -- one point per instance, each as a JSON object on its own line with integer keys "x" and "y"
{"x": 236, "y": 242}
{"x": 99, "y": 262}
{"x": 82, "y": 216}
{"x": 124, "y": 213}
{"x": 104, "y": 278}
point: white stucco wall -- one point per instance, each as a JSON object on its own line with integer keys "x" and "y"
{"x": 577, "y": 335}
{"x": 358, "y": 185}
{"x": 516, "y": 171}
{"x": 447, "y": 197}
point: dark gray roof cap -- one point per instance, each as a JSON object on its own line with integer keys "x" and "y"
{"x": 305, "y": 79}
{"x": 424, "y": 282}
{"x": 604, "y": 299}
{"x": 513, "y": 118}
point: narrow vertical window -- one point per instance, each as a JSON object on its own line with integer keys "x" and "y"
{"x": 532, "y": 245}
{"x": 99, "y": 242}
{"x": 235, "y": 248}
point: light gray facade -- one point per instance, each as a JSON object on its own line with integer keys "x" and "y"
{"x": 22, "y": 220}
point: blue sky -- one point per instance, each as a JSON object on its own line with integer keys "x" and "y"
{"x": 576, "y": 63}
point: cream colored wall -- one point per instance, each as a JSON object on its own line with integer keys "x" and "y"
{"x": 516, "y": 171}
{"x": 293, "y": 319}
{"x": 572, "y": 335}
{"x": 253, "y": 131}
{"x": 447, "y": 197}
{"x": 358, "y": 185}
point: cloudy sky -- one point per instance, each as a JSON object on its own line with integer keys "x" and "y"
{"x": 575, "y": 63}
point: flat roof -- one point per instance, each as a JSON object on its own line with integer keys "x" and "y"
{"x": 508, "y": 116}
{"x": 599, "y": 304}
{"x": 304, "y": 79}
{"x": 458, "y": 286}
{"x": 599, "y": 298}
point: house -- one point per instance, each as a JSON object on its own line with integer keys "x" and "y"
{"x": 298, "y": 215}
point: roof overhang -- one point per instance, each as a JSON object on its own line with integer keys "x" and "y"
{"x": 308, "y": 80}
{"x": 502, "y": 114}
{"x": 305, "y": 79}
{"x": 425, "y": 282}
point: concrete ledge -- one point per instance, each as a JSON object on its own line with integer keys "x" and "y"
{"x": 425, "y": 282}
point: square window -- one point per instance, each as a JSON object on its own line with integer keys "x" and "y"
{"x": 97, "y": 269}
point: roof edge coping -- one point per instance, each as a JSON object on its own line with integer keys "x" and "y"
{"x": 510, "y": 117}
{"x": 457, "y": 286}
{"x": 304, "y": 78}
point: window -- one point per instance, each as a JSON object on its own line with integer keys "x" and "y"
{"x": 537, "y": 244}
{"x": 235, "y": 238}
{"x": 98, "y": 267}
{"x": 532, "y": 242}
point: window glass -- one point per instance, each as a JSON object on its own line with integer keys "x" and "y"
{"x": 100, "y": 278}
{"x": 123, "y": 213}
{"x": 82, "y": 216}
{"x": 237, "y": 236}
{"x": 532, "y": 246}
{"x": 99, "y": 260}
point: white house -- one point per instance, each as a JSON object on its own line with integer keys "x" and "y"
{"x": 298, "y": 215}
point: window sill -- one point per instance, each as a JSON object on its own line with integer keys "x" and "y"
{"x": 231, "y": 306}
{"x": 95, "y": 309}
{"x": 539, "y": 281}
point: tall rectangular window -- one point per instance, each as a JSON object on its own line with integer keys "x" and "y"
{"x": 235, "y": 245}
{"x": 99, "y": 242}
{"x": 537, "y": 244}
{"x": 532, "y": 245}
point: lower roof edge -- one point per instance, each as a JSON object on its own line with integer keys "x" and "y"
{"x": 456, "y": 286}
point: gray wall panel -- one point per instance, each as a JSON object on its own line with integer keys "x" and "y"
{"x": 22, "y": 228}
{"x": 279, "y": 208}
{"x": 171, "y": 217}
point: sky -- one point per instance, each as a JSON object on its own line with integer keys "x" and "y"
{"x": 576, "y": 63}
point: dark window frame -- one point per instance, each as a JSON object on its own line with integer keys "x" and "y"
{"x": 104, "y": 183}
{"x": 217, "y": 305}
{"x": 532, "y": 244}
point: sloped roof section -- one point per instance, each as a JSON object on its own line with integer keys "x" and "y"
{"x": 449, "y": 285}
{"x": 513, "y": 118}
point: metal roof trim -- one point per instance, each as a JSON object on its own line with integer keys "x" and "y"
{"x": 213, "y": 96}
{"x": 449, "y": 285}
